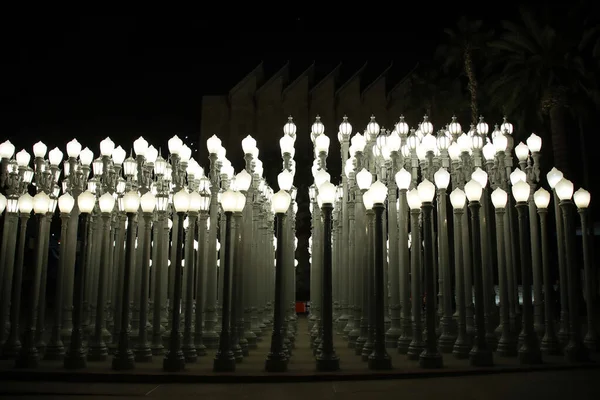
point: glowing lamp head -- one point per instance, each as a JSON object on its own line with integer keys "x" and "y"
{"x": 248, "y": 144}
{"x": 364, "y": 179}
{"x": 426, "y": 126}
{"x": 522, "y": 151}
{"x": 39, "y": 150}
{"x": 373, "y": 127}
{"x": 349, "y": 167}
{"x": 345, "y": 128}
{"x": 174, "y": 144}
{"x": 327, "y": 193}
{"x": 73, "y": 148}
{"x": 107, "y": 147}
{"x": 480, "y": 176}
{"x": 106, "y": 202}
{"x": 243, "y": 180}
{"x": 25, "y": 204}
{"x": 499, "y": 198}
{"x": 317, "y": 127}
{"x": 66, "y": 202}
{"x": 86, "y": 202}
{"x": 402, "y": 127}
{"x": 40, "y": 203}
{"x": 500, "y": 143}
{"x": 368, "y": 200}
{"x": 473, "y": 190}
{"x": 534, "y": 142}
{"x": 429, "y": 143}
{"x": 181, "y": 201}
{"x": 394, "y": 141}
{"x": 281, "y": 201}
{"x": 322, "y": 144}
{"x": 582, "y": 198}
{"x": 321, "y": 176}
{"x": 442, "y": 178}
{"x": 118, "y": 155}
{"x": 151, "y": 154}
{"x": 140, "y": 145}
{"x": 359, "y": 142}
{"x": 506, "y": 127}
{"x": 477, "y": 141}
{"x": 289, "y": 129}
{"x": 131, "y": 201}
{"x": 553, "y": 177}
{"x": 228, "y": 200}
{"x": 564, "y": 189}
{"x": 378, "y": 192}
{"x": 426, "y": 191}
{"x": 240, "y": 202}
{"x": 454, "y": 151}
{"x": 213, "y": 144}
{"x": 286, "y": 143}
{"x": 413, "y": 199}
{"x": 517, "y": 175}
{"x": 23, "y": 158}
{"x": 148, "y": 202}
{"x": 86, "y": 157}
{"x": 454, "y": 128}
{"x": 403, "y": 179}
{"x": 482, "y": 127}
{"x": 458, "y": 198}
{"x": 520, "y": 191}
{"x": 489, "y": 151}
{"x": 285, "y": 180}
{"x": 541, "y": 198}
{"x": 55, "y": 156}
{"x": 7, "y": 149}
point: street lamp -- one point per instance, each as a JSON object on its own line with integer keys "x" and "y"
{"x": 327, "y": 360}
{"x": 417, "y": 345}
{"x": 403, "y": 179}
{"x": 461, "y": 346}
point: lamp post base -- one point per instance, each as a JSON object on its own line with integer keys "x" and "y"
{"x": 367, "y": 350}
{"x": 575, "y": 352}
{"x": 461, "y": 350}
{"x": 591, "y": 341}
{"x": 506, "y": 347}
{"x": 251, "y": 339}
{"x": 380, "y": 362}
{"x": 55, "y": 351}
{"x": 211, "y": 339}
{"x": 392, "y": 336}
{"x": 98, "y": 352}
{"x": 75, "y": 359}
{"x": 28, "y": 358}
{"x": 11, "y": 349}
{"x": 352, "y": 336}
{"x": 189, "y": 353}
{"x": 529, "y": 355}
{"x": 174, "y": 361}
{"x": 415, "y": 349}
{"x": 403, "y": 344}
{"x": 224, "y": 362}
{"x": 200, "y": 350}
{"x": 358, "y": 346}
{"x": 446, "y": 342}
{"x": 481, "y": 357}
{"x": 429, "y": 359}
{"x": 158, "y": 349}
{"x": 143, "y": 353}
{"x": 238, "y": 353}
{"x": 550, "y": 346}
{"x": 276, "y": 362}
{"x": 123, "y": 362}
{"x": 328, "y": 362}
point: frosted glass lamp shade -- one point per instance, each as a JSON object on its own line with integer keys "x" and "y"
{"x": 534, "y": 142}
{"x": 151, "y": 154}
{"x": 327, "y": 193}
{"x": 553, "y": 177}
{"x": 86, "y": 156}
{"x": 131, "y": 201}
{"x": 349, "y": 167}
{"x": 317, "y": 127}
{"x": 564, "y": 189}
{"x": 345, "y": 128}
{"x": 55, "y": 156}
{"x": 73, "y": 148}
{"x": 429, "y": 143}
{"x": 39, "y": 150}
{"x": 403, "y": 179}
{"x": 243, "y": 180}
{"x": 286, "y": 143}
{"x": 248, "y": 144}
{"x": 40, "y": 203}
{"x": 522, "y": 151}
{"x": 520, "y": 191}
{"x": 213, "y": 144}
{"x": 25, "y": 203}
{"x": 148, "y": 202}
{"x": 378, "y": 192}
{"x": 7, "y": 149}
{"x": 454, "y": 151}
{"x": 517, "y": 175}
{"x": 140, "y": 145}
{"x": 454, "y": 128}
{"x": 240, "y": 203}
{"x": 289, "y": 129}
{"x": 473, "y": 190}
{"x": 426, "y": 191}
{"x": 66, "y": 202}
{"x": 458, "y": 199}
{"x": 281, "y": 201}
{"x": 228, "y": 201}
{"x": 322, "y": 144}
{"x": 368, "y": 200}
{"x": 541, "y": 198}
{"x": 480, "y": 176}
{"x": 175, "y": 144}
{"x": 499, "y": 198}
{"x": 394, "y": 142}
{"x": 86, "y": 202}
{"x": 285, "y": 180}
{"x": 23, "y": 158}
{"x": 322, "y": 176}
{"x": 489, "y": 151}
{"x": 181, "y": 201}
{"x": 118, "y": 155}
{"x": 442, "y": 178}
{"x": 107, "y": 146}
{"x": 582, "y": 198}
{"x": 413, "y": 199}
{"x": 359, "y": 142}
{"x": 500, "y": 143}
{"x": 106, "y": 202}
{"x": 364, "y": 179}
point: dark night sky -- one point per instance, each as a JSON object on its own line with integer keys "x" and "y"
{"x": 93, "y": 76}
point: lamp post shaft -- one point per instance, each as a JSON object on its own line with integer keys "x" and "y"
{"x": 549, "y": 344}
{"x": 591, "y": 336}
{"x": 507, "y": 346}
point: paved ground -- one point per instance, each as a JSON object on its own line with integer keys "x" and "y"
{"x": 547, "y": 385}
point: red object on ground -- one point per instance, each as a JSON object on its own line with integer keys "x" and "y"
{"x": 300, "y": 307}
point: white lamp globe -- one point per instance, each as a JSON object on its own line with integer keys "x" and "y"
{"x": 285, "y": 180}
{"x": 321, "y": 176}
{"x": 480, "y": 176}
{"x": 213, "y": 144}
{"x": 522, "y": 151}
{"x": 454, "y": 151}
{"x": 86, "y": 156}
{"x": 454, "y": 128}
{"x": 349, "y": 167}
{"x": 477, "y": 141}
{"x": 429, "y": 143}
{"x": 358, "y": 142}
{"x": 403, "y": 179}
{"x": 151, "y": 154}
{"x": 564, "y": 189}
{"x": 131, "y": 201}
{"x": 40, "y": 203}
{"x": 373, "y": 127}
{"x": 458, "y": 199}
{"x": 148, "y": 202}
{"x": 228, "y": 201}
{"x": 482, "y": 127}
{"x": 281, "y": 201}
{"x": 426, "y": 126}
{"x": 66, "y": 202}
{"x": 394, "y": 142}
{"x": 106, "y": 202}
{"x": 73, "y": 148}
{"x": 441, "y": 178}
{"x": 553, "y": 177}
{"x": 464, "y": 143}
{"x": 185, "y": 153}
{"x": 86, "y": 202}
{"x": 443, "y": 141}
{"x": 322, "y": 144}
{"x": 107, "y": 147}
{"x": 7, "y": 149}
{"x": 473, "y": 190}
{"x": 286, "y": 143}
{"x": 23, "y": 158}
{"x": 196, "y": 202}
{"x": 541, "y": 198}
{"x": 426, "y": 191}
{"x": 240, "y": 202}
{"x": 499, "y": 198}
{"x": 248, "y": 144}
{"x": 520, "y": 191}
{"x": 55, "y": 156}
{"x": 140, "y": 145}
{"x": 118, "y": 155}
{"x": 517, "y": 175}
{"x": 243, "y": 180}
{"x": 181, "y": 201}
{"x": 402, "y": 127}
{"x": 489, "y": 151}
{"x": 39, "y": 150}
{"x": 500, "y": 143}
{"x": 317, "y": 127}
{"x": 378, "y": 192}
{"x": 413, "y": 199}
{"x": 582, "y": 198}
{"x": 25, "y": 203}
{"x": 3, "y": 203}
{"x": 364, "y": 179}
{"x": 534, "y": 142}
{"x": 327, "y": 193}
{"x": 289, "y": 129}
{"x": 368, "y": 200}
{"x": 345, "y": 128}
{"x": 506, "y": 127}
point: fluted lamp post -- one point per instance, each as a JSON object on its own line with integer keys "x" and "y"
{"x": 379, "y": 359}
{"x": 225, "y": 359}
{"x": 124, "y": 358}
{"x": 76, "y": 355}
{"x": 430, "y": 357}
{"x": 549, "y": 343}
{"x": 481, "y": 354}
{"x": 174, "y": 360}
{"x": 277, "y": 359}
{"x": 417, "y": 345}
{"x": 403, "y": 179}
{"x": 327, "y": 359}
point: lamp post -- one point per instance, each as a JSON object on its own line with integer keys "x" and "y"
{"x": 75, "y": 357}
{"x": 461, "y": 345}
{"x": 369, "y": 277}
{"x": 225, "y": 359}
{"x": 549, "y": 344}
{"x": 575, "y": 351}
{"x": 345, "y": 130}
{"x": 582, "y": 201}
{"x": 507, "y": 345}
{"x": 276, "y": 359}
{"x": 481, "y": 354}
{"x": 201, "y": 266}
{"x": 174, "y": 360}
{"x": 188, "y": 347}
{"x": 327, "y": 360}
{"x": 417, "y": 345}
{"x": 529, "y": 352}
{"x": 124, "y": 357}
{"x": 430, "y": 357}
{"x": 403, "y": 179}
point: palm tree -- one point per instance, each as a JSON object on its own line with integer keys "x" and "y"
{"x": 537, "y": 67}
{"x": 463, "y": 51}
